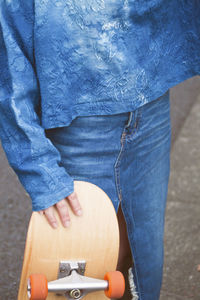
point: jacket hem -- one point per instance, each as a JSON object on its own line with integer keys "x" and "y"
{"x": 109, "y": 107}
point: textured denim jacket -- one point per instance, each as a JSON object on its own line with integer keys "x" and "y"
{"x": 64, "y": 58}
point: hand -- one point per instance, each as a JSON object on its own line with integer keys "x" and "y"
{"x": 63, "y": 210}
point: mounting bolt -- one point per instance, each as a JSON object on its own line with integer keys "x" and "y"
{"x": 62, "y": 269}
{"x": 75, "y": 293}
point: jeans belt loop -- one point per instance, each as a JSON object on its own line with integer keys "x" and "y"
{"x": 130, "y": 118}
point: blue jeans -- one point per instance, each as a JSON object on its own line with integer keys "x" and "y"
{"x": 128, "y": 156}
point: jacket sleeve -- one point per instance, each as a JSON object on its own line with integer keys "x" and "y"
{"x": 30, "y": 153}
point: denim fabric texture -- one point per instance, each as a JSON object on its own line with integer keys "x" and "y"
{"x": 128, "y": 156}
{"x": 66, "y": 58}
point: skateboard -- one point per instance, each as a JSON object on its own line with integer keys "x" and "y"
{"x": 75, "y": 262}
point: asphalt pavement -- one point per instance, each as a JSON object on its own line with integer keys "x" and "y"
{"x": 181, "y": 279}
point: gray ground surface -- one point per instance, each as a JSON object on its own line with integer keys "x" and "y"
{"x": 182, "y": 239}
{"x": 182, "y": 243}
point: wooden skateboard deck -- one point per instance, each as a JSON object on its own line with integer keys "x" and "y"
{"x": 92, "y": 237}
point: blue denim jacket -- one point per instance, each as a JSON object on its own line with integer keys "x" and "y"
{"x": 64, "y": 58}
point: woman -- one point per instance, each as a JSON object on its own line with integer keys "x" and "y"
{"x": 85, "y": 96}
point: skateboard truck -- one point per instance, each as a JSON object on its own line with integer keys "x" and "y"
{"x": 73, "y": 284}
{"x": 66, "y": 267}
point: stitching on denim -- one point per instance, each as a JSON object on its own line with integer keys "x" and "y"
{"x": 118, "y": 186}
{"x": 117, "y": 165}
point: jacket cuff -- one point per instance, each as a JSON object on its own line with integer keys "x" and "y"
{"x": 50, "y": 199}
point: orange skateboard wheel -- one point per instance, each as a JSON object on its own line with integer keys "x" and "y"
{"x": 116, "y": 284}
{"x": 39, "y": 287}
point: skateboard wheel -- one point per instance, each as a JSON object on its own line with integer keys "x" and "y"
{"x": 39, "y": 287}
{"x": 116, "y": 284}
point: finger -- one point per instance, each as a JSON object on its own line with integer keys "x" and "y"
{"x": 63, "y": 212}
{"x": 41, "y": 212}
{"x": 75, "y": 204}
{"x": 51, "y": 217}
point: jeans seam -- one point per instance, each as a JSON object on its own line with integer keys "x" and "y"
{"x": 117, "y": 165}
{"x": 118, "y": 186}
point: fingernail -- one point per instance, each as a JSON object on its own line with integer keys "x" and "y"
{"x": 55, "y": 225}
{"x": 67, "y": 223}
{"x": 79, "y": 212}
